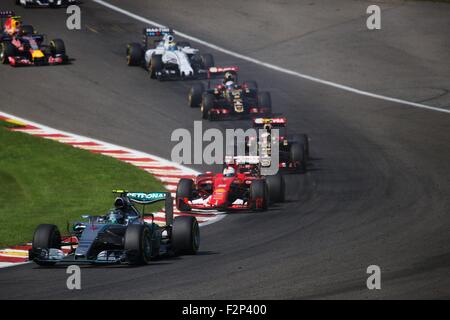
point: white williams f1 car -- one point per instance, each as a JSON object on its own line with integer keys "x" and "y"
{"x": 45, "y": 3}
{"x": 166, "y": 59}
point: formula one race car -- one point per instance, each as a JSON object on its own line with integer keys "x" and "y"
{"x": 226, "y": 97}
{"x": 120, "y": 236}
{"x": 45, "y": 3}
{"x": 252, "y": 166}
{"x": 293, "y": 148}
{"x": 20, "y": 45}
{"x": 166, "y": 59}
{"x": 237, "y": 188}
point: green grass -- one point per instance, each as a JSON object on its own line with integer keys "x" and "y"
{"x": 43, "y": 181}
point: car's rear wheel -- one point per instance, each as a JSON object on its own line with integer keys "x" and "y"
{"x": 185, "y": 188}
{"x": 26, "y": 30}
{"x": 298, "y": 156}
{"x": 57, "y": 47}
{"x": 207, "y": 105}
{"x": 7, "y": 50}
{"x": 302, "y": 139}
{"x": 207, "y": 61}
{"x": 138, "y": 244}
{"x": 265, "y": 101}
{"x": 276, "y": 187}
{"x": 185, "y": 235}
{"x": 195, "y": 95}
{"x": 156, "y": 66}
{"x": 258, "y": 195}
{"x": 46, "y": 236}
{"x": 251, "y": 84}
{"x": 135, "y": 54}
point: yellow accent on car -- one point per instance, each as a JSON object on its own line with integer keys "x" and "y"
{"x": 36, "y": 54}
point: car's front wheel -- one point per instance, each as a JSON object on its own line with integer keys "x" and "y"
{"x": 7, "y": 50}
{"x": 135, "y": 54}
{"x": 156, "y": 66}
{"x": 138, "y": 244}
{"x": 184, "y": 190}
{"x": 195, "y": 95}
{"x": 207, "y": 105}
{"x": 46, "y": 236}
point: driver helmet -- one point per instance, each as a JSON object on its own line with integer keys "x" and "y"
{"x": 229, "y": 172}
{"x": 229, "y": 80}
{"x": 171, "y": 44}
{"x": 120, "y": 203}
{"x": 12, "y": 25}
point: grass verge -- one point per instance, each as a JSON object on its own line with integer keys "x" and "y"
{"x": 43, "y": 181}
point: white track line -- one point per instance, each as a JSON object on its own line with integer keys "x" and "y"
{"x": 269, "y": 65}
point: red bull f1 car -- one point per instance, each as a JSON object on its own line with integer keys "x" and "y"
{"x": 21, "y": 46}
{"x": 225, "y": 97}
{"x": 120, "y": 236}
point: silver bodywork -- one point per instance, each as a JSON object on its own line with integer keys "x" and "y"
{"x": 179, "y": 57}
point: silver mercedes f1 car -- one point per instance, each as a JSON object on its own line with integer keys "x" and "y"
{"x": 120, "y": 236}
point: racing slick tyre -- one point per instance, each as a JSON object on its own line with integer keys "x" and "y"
{"x": 135, "y": 54}
{"x": 138, "y": 244}
{"x": 26, "y": 30}
{"x": 185, "y": 235}
{"x": 7, "y": 50}
{"x": 46, "y": 236}
{"x": 156, "y": 65}
{"x": 298, "y": 155}
{"x": 265, "y": 102}
{"x": 184, "y": 190}
{"x": 57, "y": 47}
{"x": 207, "y": 61}
{"x": 207, "y": 105}
{"x": 302, "y": 139}
{"x": 183, "y": 44}
{"x": 252, "y": 85}
{"x": 276, "y": 187}
{"x": 259, "y": 195}
{"x": 195, "y": 95}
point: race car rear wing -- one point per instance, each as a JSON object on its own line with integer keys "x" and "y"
{"x": 146, "y": 198}
{"x": 276, "y": 122}
{"x": 263, "y": 161}
{"x": 157, "y": 32}
{"x": 220, "y": 71}
{"x": 155, "y": 35}
{"x": 6, "y": 14}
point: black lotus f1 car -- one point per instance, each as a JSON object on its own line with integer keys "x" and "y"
{"x": 223, "y": 99}
{"x": 120, "y": 236}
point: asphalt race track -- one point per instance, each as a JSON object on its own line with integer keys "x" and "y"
{"x": 377, "y": 192}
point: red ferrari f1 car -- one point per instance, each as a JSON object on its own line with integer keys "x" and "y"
{"x": 240, "y": 187}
